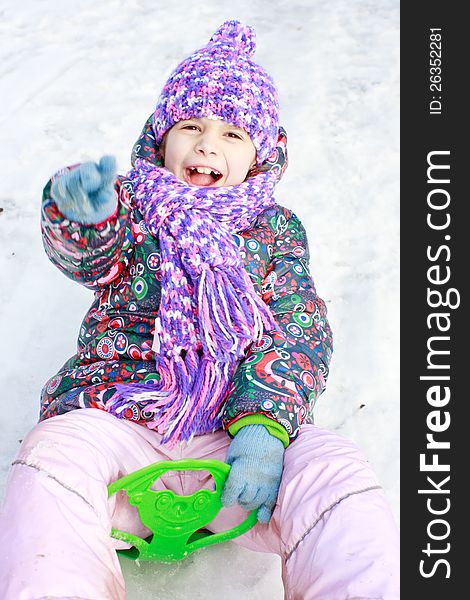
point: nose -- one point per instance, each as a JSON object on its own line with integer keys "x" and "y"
{"x": 207, "y": 144}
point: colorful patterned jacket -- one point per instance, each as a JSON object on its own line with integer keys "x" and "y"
{"x": 280, "y": 378}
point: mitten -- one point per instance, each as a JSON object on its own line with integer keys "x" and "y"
{"x": 256, "y": 458}
{"x": 86, "y": 194}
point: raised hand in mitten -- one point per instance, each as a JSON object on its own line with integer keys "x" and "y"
{"x": 256, "y": 458}
{"x": 86, "y": 194}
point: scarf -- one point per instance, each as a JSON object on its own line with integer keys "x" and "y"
{"x": 210, "y": 312}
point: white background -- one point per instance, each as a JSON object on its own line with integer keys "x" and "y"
{"x": 79, "y": 79}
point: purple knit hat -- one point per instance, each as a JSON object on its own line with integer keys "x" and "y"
{"x": 221, "y": 80}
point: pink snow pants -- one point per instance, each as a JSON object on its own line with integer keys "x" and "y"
{"x": 331, "y": 526}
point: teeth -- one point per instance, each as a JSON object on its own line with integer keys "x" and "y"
{"x": 205, "y": 170}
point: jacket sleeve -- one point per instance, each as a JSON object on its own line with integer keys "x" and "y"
{"x": 282, "y": 375}
{"x": 92, "y": 255}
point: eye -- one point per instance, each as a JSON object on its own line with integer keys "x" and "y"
{"x": 234, "y": 135}
{"x": 190, "y": 127}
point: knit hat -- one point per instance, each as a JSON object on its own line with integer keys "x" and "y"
{"x": 221, "y": 80}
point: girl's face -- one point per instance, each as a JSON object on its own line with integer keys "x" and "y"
{"x": 208, "y": 153}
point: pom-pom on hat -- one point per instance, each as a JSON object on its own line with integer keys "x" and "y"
{"x": 221, "y": 80}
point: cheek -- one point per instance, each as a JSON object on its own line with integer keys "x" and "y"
{"x": 238, "y": 173}
{"x": 241, "y": 163}
{"x": 171, "y": 160}
{"x": 173, "y": 152}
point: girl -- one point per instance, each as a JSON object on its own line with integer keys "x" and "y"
{"x": 206, "y": 339}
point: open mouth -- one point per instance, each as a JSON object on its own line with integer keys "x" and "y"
{"x": 201, "y": 176}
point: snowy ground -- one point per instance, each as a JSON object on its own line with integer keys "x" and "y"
{"x": 78, "y": 79}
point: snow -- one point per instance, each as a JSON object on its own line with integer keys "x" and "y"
{"x": 78, "y": 80}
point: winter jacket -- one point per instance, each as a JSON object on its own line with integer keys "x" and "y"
{"x": 280, "y": 377}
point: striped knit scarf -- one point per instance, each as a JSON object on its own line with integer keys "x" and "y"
{"x": 210, "y": 312}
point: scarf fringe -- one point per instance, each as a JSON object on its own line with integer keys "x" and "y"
{"x": 228, "y": 317}
{"x": 187, "y": 402}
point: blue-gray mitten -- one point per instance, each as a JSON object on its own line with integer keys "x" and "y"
{"x": 86, "y": 194}
{"x": 256, "y": 458}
